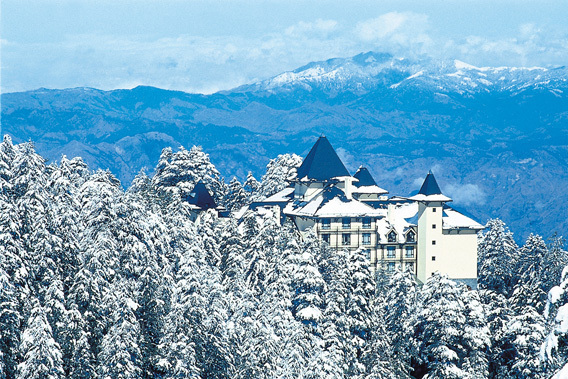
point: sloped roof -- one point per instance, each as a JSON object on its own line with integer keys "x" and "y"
{"x": 430, "y": 191}
{"x": 321, "y": 163}
{"x": 365, "y": 178}
{"x": 430, "y": 186}
{"x": 201, "y": 197}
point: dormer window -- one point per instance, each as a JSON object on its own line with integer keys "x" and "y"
{"x": 391, "y": 236}
{"x": 325, "y": 223}
{"x": 366, "y": 223}
{"x": 411, "y": 236}
{"x": 346, "y": 222}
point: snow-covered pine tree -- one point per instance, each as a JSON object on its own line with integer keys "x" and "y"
{"x": 177, "y": 173}
{"x": 497, "y": 258}
{"x": 41, "y": 355}
{"x": 251, "y": 185}
{"x": 120, "y": 356}
{"x": 10, "y": 319}
{"x": 554, "y": 350}
{"x": 400, "y": 307}
{"x": 523, "y": 337}
{"x": 236, "y": 197}
{"x": 279, "y": 172}
{"x": 447, "y": 342}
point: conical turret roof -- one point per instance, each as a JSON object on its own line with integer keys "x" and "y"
{"x": 321, "y": 163}
{"x": 430, "y": 191}
{"x": 430, "y": 186}
{"x": 365, "y": 178}
{"x": 201, "y": 197}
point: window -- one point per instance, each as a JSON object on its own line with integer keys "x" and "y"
{"x": 367, "y": 253}
{"x": 391, "y": 267}
{"x": 366, "y": 223}
{"x": 391, "y": 251}
{"x": 325, "y": 237}
{"x": 325, "y": 223}
{"x": 410, "y": 266}
{"x": 346, "y": 239}
{"x": 433, "y": 226}
{"x": 433, "y": 242}
{"x": 434, "y": 210}
{"x": 366, "y": 238}
{"x": 391, "y": 236}
{"x": 409, "y": 252}
{"x": 346, "y": 222}
{"x": 410, "y": 237}
{"x": 433, "y": 258}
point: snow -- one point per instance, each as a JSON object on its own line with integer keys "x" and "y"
{"x": 562, "y": 374}
{"x": 554, "y": 294}
{"x": 454, "y": 219}
{"x": 282, "y": 196}
{"x": 309, "y": 313}
{"x": 370, "y": 190}
{"x": 422, "y": 197}
{"x": 562, "y": 319}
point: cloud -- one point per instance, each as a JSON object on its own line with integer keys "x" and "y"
{"x": 396, "y": 29}
{"x": 466, "y": 194}
{"x": 319, "y": 27}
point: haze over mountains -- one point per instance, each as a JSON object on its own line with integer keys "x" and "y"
{"x": 496, "y": 138}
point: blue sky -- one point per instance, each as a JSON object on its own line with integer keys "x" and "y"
{"x": 205, "y": 46}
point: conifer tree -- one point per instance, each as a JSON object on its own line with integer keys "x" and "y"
{"x": 279, "y": 172}
{"x": 10, "y": 319}
{"x": 236, "y": 196}
{"x": 41, "y": 355}
{"x": 497, "y": 258}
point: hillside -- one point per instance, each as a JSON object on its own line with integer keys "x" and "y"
{"x": 496, "y": 138}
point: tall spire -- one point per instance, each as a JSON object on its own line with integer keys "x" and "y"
{"x": 322, "y": 163}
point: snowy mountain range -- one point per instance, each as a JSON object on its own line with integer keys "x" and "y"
{"x": 496, "y": 138}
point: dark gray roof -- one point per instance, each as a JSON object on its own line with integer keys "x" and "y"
{"x": 365, "y": 178}
{"x": 322, "y": 163}
{"x": 201, "y": 197}
{"x": 430, "y": 186}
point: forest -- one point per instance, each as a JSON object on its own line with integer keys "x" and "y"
{"x": 99, "y": 281}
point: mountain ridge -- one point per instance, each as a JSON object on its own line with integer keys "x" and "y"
{"x": 398, "y": 117}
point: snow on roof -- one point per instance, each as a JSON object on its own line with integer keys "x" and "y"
{"x": 337, "y": 208}
{"x": 452, "y": 219}
{"x": 283, "y": 196}
{"x": 421, "y": 197}
{"x": 370, "y": 189}
{"x": 321, "y": 163}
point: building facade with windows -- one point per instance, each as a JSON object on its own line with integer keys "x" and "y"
{"x": 421, "y": 233}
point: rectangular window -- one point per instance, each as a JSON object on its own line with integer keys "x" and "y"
{"x": 325, "y": 223}
{"x": 391, "y": 251}
{"x": 433, "y": 258}
{"x": 366, "y": 223}
{"x": 410, "y": 266}
{"x": 434, "y": 210}
{"x": 434, "y": 242}
{"x": 346, "y": 239}
{"x": 366, "y": 238}
{"x": 325, "y": 237}
{"x": 346, "y": 222}
{"x": 391, "y": 266}
{"x": 409, "y": 252}
{"x": 433, "y": 226}
{"x": 367, "y": 253}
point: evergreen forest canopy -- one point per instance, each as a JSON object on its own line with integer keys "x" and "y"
{"x": 97, "y": 281}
